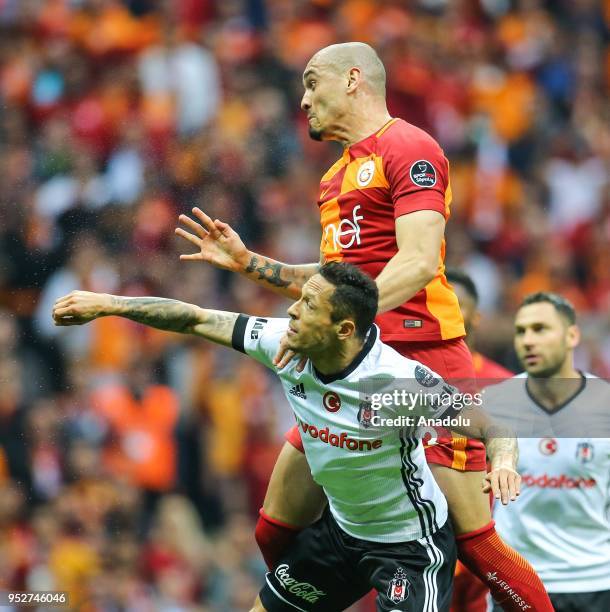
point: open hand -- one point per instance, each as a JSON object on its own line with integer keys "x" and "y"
{"x": 79, "y": 307}
{"x": 504, "y": 483}
{"x": 218, "y": 243}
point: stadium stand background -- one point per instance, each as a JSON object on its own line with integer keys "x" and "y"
{"x": 133, "y": 462}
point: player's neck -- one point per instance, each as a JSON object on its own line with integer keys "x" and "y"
{"x": 339, "y": 358}
{"x": 362, "y": 123}
{"x": 552, "y": 391}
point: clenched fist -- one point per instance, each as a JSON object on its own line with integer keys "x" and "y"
{"x": 80, "y": 307}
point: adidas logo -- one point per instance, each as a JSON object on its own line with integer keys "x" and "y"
{"x": 298, "y": 391}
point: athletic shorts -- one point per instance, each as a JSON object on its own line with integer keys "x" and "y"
{"x": 326, "y": 570}
{"x": 595, "y": 601}
{"x": 452, "y": 360}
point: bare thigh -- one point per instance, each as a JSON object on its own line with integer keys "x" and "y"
{"x": 292, "y": 495}
{"x": 468, "y": 506}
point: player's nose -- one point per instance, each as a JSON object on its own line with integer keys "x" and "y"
{"x": 292, "y": 310}
{"x": 305, "y": 103}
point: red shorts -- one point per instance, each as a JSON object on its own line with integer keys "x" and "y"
{"x": 451, "y": 360}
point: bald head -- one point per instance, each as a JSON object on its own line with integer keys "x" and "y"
{"x": 345, "y": 56}
{"x": 344, "y": 94}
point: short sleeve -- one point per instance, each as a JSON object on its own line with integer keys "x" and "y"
{"x": 259, "y": 337}
{"x": 414, "y": 391}
{"x": 418, "y": 175}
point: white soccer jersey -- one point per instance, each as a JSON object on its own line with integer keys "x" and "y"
{"x": 560, "y": 522}
{"x": 379, "y": 486}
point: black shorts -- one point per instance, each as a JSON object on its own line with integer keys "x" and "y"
{"x": 326, "y": 570}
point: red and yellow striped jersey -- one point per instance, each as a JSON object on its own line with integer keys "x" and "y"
{"x": 396, "y": 171}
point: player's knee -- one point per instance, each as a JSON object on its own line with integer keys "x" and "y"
{"x": 273, "y": 539}
{"x": 264, "y": 532}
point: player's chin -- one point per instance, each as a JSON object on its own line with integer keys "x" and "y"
{"x": 316, "y": 133}
{"x": 540, "y": 370}
{"x": 292, "y": 344}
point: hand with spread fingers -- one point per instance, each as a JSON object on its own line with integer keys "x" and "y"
{"x": 218, "y": 243}
{"x": 79, "y": 307}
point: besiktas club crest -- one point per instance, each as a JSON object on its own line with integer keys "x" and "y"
{"x": 399, "y": 587}
{"x": 365, "y": 414}
{"x": 584, "y": 452}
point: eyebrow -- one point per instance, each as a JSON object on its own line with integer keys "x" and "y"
{"x": 308, "y": 73}
{"x": 307, "y": 294}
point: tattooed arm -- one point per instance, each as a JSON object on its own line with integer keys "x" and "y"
{"x": 282, "y": 278}
{"x": 219, "y": 244}
{"x": 80, "y": 307}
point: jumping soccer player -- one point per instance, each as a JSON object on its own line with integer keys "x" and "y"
{"x": 383, "y": 207}
{"x": 386, "y": 525}
{"x": 561, "y": 523}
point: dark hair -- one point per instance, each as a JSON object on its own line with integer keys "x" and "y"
{"x": 355, "y": 295}
{"x": 563, "y": 306}
{"x": 458, "y": 277}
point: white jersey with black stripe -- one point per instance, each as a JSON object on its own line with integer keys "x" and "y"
{"x": 561, "y": 521}
{"x": 379, "y": 487}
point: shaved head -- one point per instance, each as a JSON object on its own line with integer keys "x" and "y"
{"x": 345, "y": 56}
{"x": 344, "y": 95}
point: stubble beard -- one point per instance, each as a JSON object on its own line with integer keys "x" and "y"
{"x": 545, "y": 370}
{"x": 315, "y": 134}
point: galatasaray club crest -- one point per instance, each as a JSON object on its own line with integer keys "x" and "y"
{"x": 365, "y": 414}
{"x": 584, "y": 452}
{"x": 399, "y": 587}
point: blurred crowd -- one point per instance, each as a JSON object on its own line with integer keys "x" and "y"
{"x": 133, "y": 462}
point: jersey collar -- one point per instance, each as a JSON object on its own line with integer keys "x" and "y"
{"x": 371, "y": 338}
{"x": 349, "y": 151}
{"x": 556, "y": 409}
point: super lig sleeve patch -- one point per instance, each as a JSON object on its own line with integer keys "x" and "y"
{"x": 423, "y": 174}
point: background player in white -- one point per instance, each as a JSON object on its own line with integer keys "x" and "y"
{"x": 387, "y": 526}
{"x": 561, "y": 524}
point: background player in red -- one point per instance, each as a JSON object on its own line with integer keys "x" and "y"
{"x": 469, "y": 593}
{"x": 468, "y": 297}
{"x": 383, "y": 207}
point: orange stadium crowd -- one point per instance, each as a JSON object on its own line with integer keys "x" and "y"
{"x": 133, "y": 462}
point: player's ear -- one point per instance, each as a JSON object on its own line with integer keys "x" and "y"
{"x": 573, "y": 336}
{"x": 345, "y": 329}
{"x": 353, "y": 80}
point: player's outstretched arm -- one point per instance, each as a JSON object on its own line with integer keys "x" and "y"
{"x": 419, "y": 236}
{"x": 220, "y": 245}
{"x": 81, "y": 307}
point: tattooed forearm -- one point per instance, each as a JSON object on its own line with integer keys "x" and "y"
{"x": 270, "y": 272}
{"x": 252, "y": 265}
{"x": 172, "y": 315}
{"x": 169, "y": 315}
{"x": 502, "y": 449}
{"x": 218, "y": 326}
{"x": 283, "y": 278}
